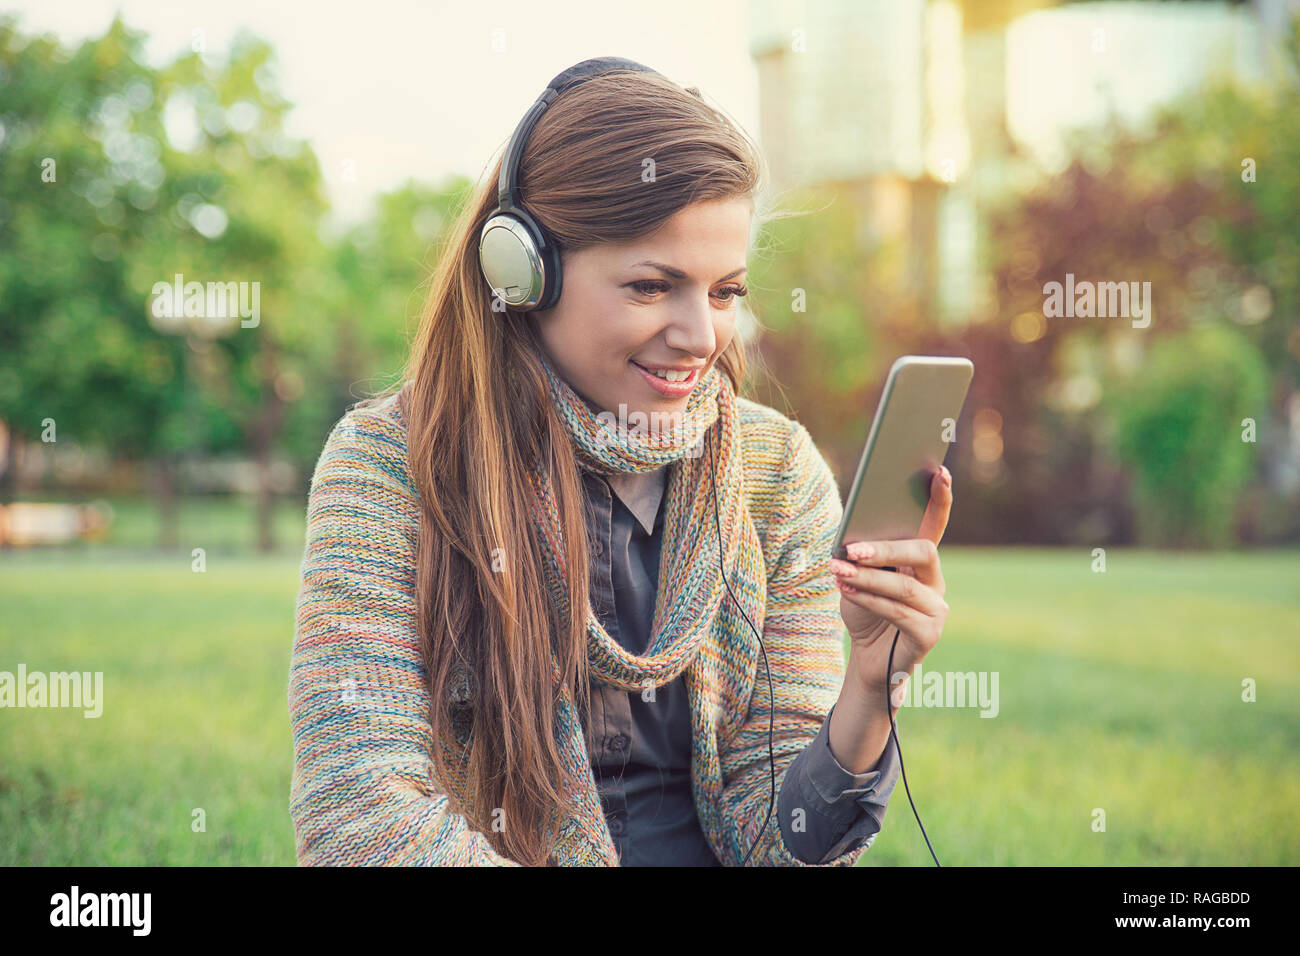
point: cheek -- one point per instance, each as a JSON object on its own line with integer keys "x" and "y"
{"x": 620, "y": 333}
{"x": 616, "y": 341}
{"x": 624, "y": 332}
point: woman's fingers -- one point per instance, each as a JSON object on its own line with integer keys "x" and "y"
{"x": 921, "y": 613}
{"x": 900, "y": 615}
{"x": 919, "y": 554}
{"x": 901, "y": 588}
{"x": 910, "y": 595}
{"x": 935, "y": 521}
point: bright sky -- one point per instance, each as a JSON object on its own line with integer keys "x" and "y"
{"x": 415, "y": 89}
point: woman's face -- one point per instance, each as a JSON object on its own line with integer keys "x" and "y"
{"x": 666, "y": 301}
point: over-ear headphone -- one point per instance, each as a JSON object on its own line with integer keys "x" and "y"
{"x": 520, "y": 261}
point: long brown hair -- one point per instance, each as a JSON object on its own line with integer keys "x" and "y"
{"x": 479, "y": 417}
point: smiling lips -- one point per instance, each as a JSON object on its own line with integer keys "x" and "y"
{"x": 666, "y": 387}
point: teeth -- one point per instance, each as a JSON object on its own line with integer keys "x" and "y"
{"x": 670, "y": 376}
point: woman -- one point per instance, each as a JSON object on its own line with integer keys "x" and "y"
{"x": 536, "y": 576}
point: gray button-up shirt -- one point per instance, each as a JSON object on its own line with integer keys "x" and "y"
{"x": 641, "y": 750}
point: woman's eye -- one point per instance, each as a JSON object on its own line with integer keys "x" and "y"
{"x": 648, "y": 287}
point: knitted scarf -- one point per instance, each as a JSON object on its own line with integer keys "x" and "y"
{"x": 694, "y": 614}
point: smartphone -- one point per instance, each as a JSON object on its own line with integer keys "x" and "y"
{"x": 914, "y": 424}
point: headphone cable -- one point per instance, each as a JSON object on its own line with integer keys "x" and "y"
{"x": 893, "y": 729}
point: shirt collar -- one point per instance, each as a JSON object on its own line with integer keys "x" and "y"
{"x": 641, "y": 492}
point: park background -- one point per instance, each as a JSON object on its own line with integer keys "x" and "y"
{"x": 945, "y": 161}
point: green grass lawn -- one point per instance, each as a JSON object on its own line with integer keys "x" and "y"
{"x": 1118, "y": 691}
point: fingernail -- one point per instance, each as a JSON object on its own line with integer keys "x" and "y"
{"x": 861, "y": 550}
{"x": 947, "y": 477}
{"x": 841, "y": 567}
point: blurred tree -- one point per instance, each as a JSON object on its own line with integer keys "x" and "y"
{"x": 80, "y": 139}
{"x": 1189, "y": 468}
{"x": 1173, "y": 208}
{"x": 369, "y": 296}
{"x": 243, "y": 205}
{"x": 116, "y": 178}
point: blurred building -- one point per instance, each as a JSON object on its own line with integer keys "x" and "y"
{"x": 924, "y": 113}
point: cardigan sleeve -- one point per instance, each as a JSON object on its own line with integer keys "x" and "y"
{"x": 825, "y": 809}
{"x": 362, "y": 791}
{"x": 804, "y": 638}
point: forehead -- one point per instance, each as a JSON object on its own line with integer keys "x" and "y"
{"x": 705, "y": 235}
{"x": 724, "y": 220}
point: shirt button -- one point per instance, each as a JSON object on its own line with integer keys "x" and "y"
{"x": 617, "y": 743}
{"x": 599, "y": 548}
{"x": 616, "y": 827}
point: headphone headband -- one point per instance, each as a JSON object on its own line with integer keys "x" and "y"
{"x": 518, "y": 258}
{"x": 565, "y": 80}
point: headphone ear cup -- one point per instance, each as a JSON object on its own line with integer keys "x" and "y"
{"x": 515, "y": 260}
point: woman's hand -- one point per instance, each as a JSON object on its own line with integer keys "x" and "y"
{"x": 874, "y": 602}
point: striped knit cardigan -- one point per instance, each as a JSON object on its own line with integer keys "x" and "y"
{"x": 362, "y": 789}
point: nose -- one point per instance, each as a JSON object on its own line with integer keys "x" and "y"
{"x": 691, "y": 329}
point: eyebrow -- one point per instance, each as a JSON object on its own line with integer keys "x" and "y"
{"x": 678, "y": 274}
